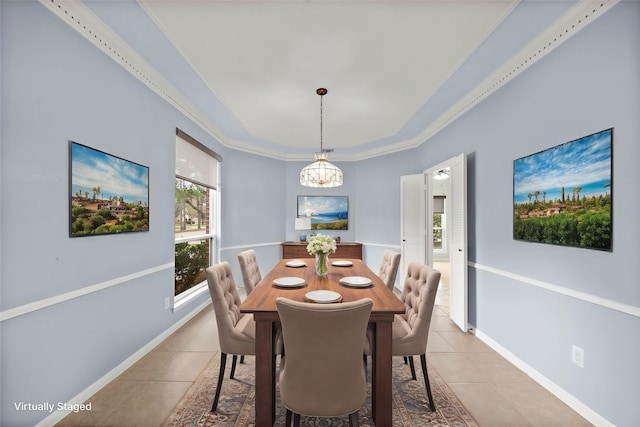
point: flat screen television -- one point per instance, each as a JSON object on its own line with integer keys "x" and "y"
{"x": 326, "y": 212}
{"x": 563, "y": 195}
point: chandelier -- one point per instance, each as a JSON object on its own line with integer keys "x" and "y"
{"x": 321, "y": 173}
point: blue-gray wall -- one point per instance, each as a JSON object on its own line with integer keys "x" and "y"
{"x": 56, "y": 86}
{"x": 589, "y": 83}
{"x": 253, "y": 208}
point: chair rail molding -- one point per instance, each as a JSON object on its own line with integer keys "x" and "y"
{"x": 382, "y": 245}
{"x": 249, "y": 246}
{"x": 583, "y": 296}
{"x": 57, "y": 299}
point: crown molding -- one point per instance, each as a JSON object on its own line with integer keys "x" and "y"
{"x": 79, "y": 17}
{"x": 574, "y": 20}
{"x": 83, "y": 20}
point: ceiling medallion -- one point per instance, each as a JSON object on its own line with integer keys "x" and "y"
{"x": 321, "y": 173}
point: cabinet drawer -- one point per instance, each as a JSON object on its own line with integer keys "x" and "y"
{"x": 295, "y": 251}
{"x": 349, "y": 251}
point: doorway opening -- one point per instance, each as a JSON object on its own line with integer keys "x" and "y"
{"x": 441, "y": 206}
{"x": 439, "y": 239}
{"x": 447, "y": 234}
{"x": 443, "y": 296}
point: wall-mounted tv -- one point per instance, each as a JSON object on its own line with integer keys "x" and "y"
{"x": 326, "y": 212}
{"x": 107, "y": 194}
{"x": 563, "y": 195}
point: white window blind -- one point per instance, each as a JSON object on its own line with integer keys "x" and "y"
{"x": 195, "y": 162}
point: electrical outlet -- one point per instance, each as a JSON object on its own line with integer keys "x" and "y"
{"x": 577, "y": 356}
{"x": 167, "y": 303}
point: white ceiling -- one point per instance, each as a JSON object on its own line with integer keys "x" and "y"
{"x": 379, "y": 61}
{"x": 396, "y": 71}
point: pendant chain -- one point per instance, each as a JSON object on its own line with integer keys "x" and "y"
{"x": 321, "y": 150}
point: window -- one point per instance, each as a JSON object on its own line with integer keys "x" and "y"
{"x": 439, "y": 221}
{"x": 195, "y": 239}
{"x": 196, "y": 213}
{"x": 438, "y": 232}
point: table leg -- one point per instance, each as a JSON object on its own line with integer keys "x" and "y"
{"x": 265, "y": 374}
{"x": 381, "y": 374}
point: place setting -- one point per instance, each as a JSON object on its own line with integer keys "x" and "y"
{"x": 342, "y": 263}
{"x": 356, "y": 281}
{"x": 289, "y": 282}
{"x": 323, "y": 296}
{"x": 296, "y": 263}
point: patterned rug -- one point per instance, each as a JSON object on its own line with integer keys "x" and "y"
{"x": 236, "y": 405}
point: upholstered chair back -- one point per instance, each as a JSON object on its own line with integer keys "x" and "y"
{"x": 236, "y": 331}
{"x": 323, "y": 372}
{"x": 418, "y": 295}
{"x": 389, "y": 268}
{"x": 250, "y": 269}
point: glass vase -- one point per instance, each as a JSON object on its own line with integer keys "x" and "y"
{"x": 322, "y": 264}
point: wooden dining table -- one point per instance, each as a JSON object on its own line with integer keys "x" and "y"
{"x": 261, "y": 302}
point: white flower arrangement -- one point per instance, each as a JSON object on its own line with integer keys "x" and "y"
{"x": 321, "y": 244}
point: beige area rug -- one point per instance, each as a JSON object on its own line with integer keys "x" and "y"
{"x": 236, "y": 405}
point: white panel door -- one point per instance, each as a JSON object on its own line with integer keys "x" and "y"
{"x": 458, "y": 310}
{"x": 412, "y": 227}
{"x": 458, "y": 305}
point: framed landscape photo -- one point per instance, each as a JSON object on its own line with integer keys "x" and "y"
{"x": 107, "y": 194}
{"x": 326, "y": 212}
{"x": 563, "y": 195}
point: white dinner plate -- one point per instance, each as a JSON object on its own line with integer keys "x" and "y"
{"x": 356, "y": 281}
{"x": 323, "y": 296}
{"x": 295, "y": 263}
{"x": 342, "y": 263}
{"x": 289, "y": 282}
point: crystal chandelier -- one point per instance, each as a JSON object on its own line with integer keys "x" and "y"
{"x": 321, "y": 173}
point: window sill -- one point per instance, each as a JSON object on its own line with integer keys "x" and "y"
{"x": 182, "y": 300}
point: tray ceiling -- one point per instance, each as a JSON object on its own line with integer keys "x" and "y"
{"x": 396, "y": 71}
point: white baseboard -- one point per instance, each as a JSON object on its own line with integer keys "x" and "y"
{"x": 575, "y": 404}
{"x": 83, "y": 396}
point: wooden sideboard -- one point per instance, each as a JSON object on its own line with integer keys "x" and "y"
{"x": 344, "y": 250}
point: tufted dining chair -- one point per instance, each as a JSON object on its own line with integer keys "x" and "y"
{"x": 322, "y": 374}
{"x": 411, "y": 329}
{"x": 250, "y": 269}
{"x": 389, "y": 268}
{"x": 236, "y": 331}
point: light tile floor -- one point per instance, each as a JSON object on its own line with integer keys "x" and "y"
{"x": 494, "y": 391}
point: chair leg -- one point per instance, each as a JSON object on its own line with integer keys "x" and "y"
{"x": 223, "y": 363}
{"x": 242, "y": 358}
{"x": 423, "y": 361}
{"x": 296, "y": 420}
{"x": 288, "y": 418}
{"x": 233, "y": 366}
{"x": 353, "y": 419}
{"x": 412, "y": 367}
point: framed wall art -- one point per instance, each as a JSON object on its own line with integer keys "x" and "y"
{"x": 107, "y": 194}
{"x": 563, "y": 195}
{"x": 326, "y": 212}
